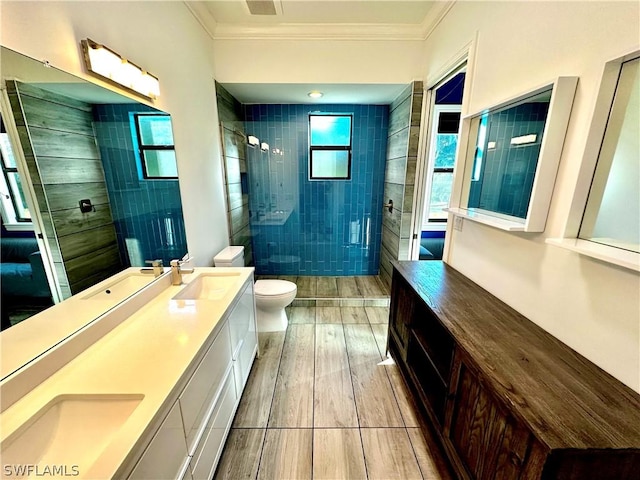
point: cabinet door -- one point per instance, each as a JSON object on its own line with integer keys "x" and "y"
{"x": 401, "y": 312}
{"x": 490, "y": 443}
{"x": 244, "y": 360}
{"x": 166, "y": 456}
{"x": 204, "y": 385}
{"x": 242, "y": 319}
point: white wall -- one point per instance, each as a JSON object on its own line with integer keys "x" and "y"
{"x": 317, "y": 61}
{"x": 164, "y": 38}
{"x": 591, "y": 306}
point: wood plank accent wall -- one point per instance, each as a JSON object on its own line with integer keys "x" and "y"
{"x": 402, "y": 155}
{"x": 58, "y": 140}
{"x": 234, "y": 164}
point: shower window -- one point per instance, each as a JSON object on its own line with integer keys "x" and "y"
{"x": 155, "y": 144}
{"x": 330, "y": 147}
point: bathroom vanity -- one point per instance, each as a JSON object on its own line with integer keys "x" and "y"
{"x": 151, "y": 396}
{"x": 506, "y": 399}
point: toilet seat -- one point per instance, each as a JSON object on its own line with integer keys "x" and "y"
{"x": 274, "y": 288}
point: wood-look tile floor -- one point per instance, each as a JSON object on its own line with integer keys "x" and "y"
{"x": 323, "y": 402}
{"x": 367, "y": 286}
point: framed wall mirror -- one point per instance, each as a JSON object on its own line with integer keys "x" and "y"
{"x": 612, "y": 214}
{"x": 76, "y": 206}
{"x": 604, "y": 218}
{"x": 511, "y": 158}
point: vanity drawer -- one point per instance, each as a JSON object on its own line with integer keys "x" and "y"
{"x": 166, "y": 455}
{"x": 210, "y": 447}
{"x": 195, "y": 400}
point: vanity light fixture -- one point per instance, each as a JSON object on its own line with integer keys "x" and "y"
{"x": 253, "y": 141}
{"x": 315, "y": 94}
{"x": 111, "y": 66}
{"x": 264, "y": 146}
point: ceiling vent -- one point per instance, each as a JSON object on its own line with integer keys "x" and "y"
{"x": 261, "y": 7}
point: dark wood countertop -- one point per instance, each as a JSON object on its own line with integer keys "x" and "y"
{"x": 567, "y": 401}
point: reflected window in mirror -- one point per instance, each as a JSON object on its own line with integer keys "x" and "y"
{"x": 612, "y": 214}
{"x": 155, "y": 146}
{"x": 15, "y": 211}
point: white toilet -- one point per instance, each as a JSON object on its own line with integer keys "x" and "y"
{"x": 272, "y": 296}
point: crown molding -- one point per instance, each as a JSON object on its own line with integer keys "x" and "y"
{"x": 435, "y": 15}
{"x": 203, "y": 17}
{"x": 320, "y": 31}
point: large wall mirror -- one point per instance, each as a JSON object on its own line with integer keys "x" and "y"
{"x": 512, "y": 154}
{"x": 612, "y": 216}
{"x": 85, "y": 193}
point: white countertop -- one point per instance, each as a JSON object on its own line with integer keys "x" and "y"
{"x": 147, "y": 354}
{"x": 30, "y": 338}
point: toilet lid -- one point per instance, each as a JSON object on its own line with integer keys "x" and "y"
{"x": 274, "y": 287}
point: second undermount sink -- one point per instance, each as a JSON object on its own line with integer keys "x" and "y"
{"x": 120, "y": 288}
{"x": 212, "y": 286}
{"x": 88, "y": 422}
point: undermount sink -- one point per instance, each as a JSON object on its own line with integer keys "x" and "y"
{"x": 88, "y": 422}
{"x": 209, "y": 286}
{"x": 121, "y": 288}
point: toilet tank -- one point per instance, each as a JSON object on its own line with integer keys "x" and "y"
{"x": 232, "y": 256}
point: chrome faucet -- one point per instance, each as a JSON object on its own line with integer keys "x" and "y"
{"x": 177, "y": 270}
{"x": 156, "y": 268}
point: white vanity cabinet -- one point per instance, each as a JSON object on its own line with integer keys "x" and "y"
{"x": 190, "y": 440}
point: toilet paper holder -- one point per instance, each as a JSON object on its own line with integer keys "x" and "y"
{"x": 389, "y": 206}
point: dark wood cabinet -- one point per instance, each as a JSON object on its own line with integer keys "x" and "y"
{"x": 506, "y": 399}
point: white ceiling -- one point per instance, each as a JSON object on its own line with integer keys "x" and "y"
{"x": 324, "y": 11}
{"x": 370, "y": 94}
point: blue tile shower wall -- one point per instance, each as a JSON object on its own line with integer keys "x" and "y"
{"x": 147, "y": 212}
{"x": 304, "y": 227}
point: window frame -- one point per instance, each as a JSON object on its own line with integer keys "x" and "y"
{"x": 438, "y": 223}
{"x": 12, "y": 218}
{"x": 144, "y": 148}
{"x": 331, "y": 148}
